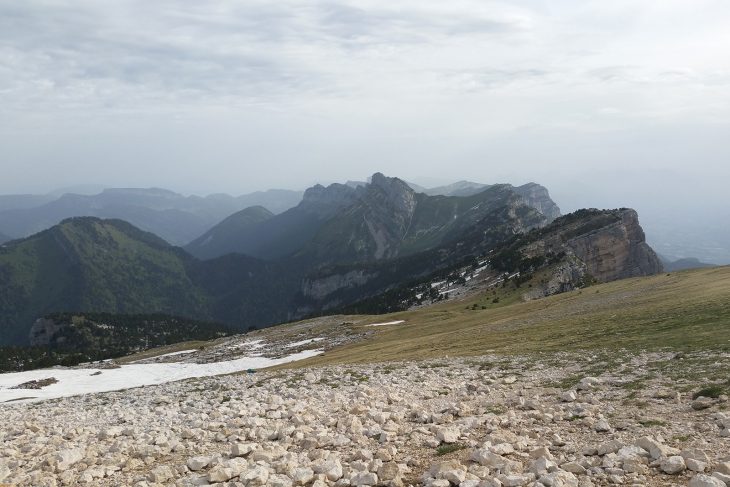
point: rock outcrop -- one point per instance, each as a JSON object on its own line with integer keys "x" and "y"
{"x": 617, "y": 251}
{"x": 328, "y": 200}
{"x": 537, "y": 196}
{"x": 590, "y": 246}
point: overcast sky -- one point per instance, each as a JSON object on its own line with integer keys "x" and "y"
{"x": 608, "y": 103}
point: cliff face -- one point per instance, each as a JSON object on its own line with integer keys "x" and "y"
{"x": 388, "y": 212}
{"x": 616, "y": 251}
{"x": 537, "y": 196}
{"x": 326, "y": 201}
{"x": 596, "y": 245}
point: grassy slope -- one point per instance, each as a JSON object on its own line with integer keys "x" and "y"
{"x": 687, "y": 310}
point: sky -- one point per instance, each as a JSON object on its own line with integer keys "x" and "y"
{"x": 607, "y": 103}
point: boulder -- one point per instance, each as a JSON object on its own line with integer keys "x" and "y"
{"x": 702, "y": 480}
{"x": 673, "y": 465}
{"x": 197, "y": 463}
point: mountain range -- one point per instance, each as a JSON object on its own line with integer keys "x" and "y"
{"x": 340, "y": 245}
{"x": 176, "y": 218}
{"x": 383, "y": 219}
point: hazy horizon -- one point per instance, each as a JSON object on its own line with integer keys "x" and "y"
{"x": 607, "y": 104}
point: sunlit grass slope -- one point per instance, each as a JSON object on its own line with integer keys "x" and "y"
{"x": 685, "y": 311}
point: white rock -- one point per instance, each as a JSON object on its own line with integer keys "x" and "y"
{"x": 388, "y": 471}
{"x": 542, "y": 465}
{"x": 514, "y": 480}
{"x": 364, "y": 478}
{"x": 447, "y": 435}
{"x": 502, "y": 449}
{"x": 559, "y": 479}
{"x": 656, "y": 449}
{"x": 220, "y": 474}
{"x": 4, "y": 469}
{"x": 609, "y": 447}
{"x": 702, "y": 480}
{"x": 332, "y": 469}
{"x": 573, "y": 467}
{"x": 257, "y": 476}
{"x": 569, "y": 396}
{"x": 198, "y": 463}
{"x": 673, "y": 465}
{"x": 588, "y": 383}
{"x": 695, "y": 465}
{"x": 66, "y": 458}
{"x": 302, "y": 475}
{"x": 161, "y": 474}
{"x": 455, "y": 476}
{"x": 242, "y": 449}
{"x": 722, "y": 476}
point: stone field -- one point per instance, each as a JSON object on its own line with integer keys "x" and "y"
{"x": 572, "y": 419}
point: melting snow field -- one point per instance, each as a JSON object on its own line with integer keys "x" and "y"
{"x": 389, "y": 323}
{"x": 72, "y": 382}
{"x": 181, "y": 352}
{"x": 303, "y": 342}
{"x": 171, "y": 354}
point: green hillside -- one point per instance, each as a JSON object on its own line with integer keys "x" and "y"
{"x": 90, "y": 264}
{"x": 682, "y": 311}
{"x": 87, "y": 337}
{"x": 223, "y": 238}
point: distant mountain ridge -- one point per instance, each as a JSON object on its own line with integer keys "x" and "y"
{"x": 176, "y": 218}
{"x": 380, "y": 219}
{"x": 683, "y": 264}
{"x": 340, "y": 245}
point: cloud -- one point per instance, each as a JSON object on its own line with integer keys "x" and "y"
{"x": 326, "y": 90}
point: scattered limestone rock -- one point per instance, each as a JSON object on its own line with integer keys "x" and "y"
{"x": 282, "y": 429}
{"x": 702, "y": 480}
{"x": 673, "y": 465}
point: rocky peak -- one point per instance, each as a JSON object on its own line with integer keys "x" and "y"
{"x": 330, "y": 198}
{"x": 390, "y": 204}
{"x": 399, "y": 196}
{"x": 537, "y": 196}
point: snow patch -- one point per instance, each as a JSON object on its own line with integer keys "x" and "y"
{"x": 172, "y": 354}
{"x": 388, "y": 323}
{"x": 74, "y": 382}
{"x": 304, "y": 342}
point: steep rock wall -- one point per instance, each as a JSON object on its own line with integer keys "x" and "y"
{"x": 616, "y": 251}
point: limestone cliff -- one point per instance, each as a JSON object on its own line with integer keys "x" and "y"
{"x": 537, "y": 196}
{"x": 616, "y": 251}
{"x": 592, "y": 245}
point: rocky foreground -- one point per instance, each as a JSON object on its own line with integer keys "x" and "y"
{"x": 548, "y": 421}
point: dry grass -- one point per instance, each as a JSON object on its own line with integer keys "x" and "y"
{"x": 687, "y": 310}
